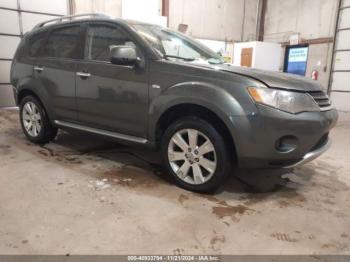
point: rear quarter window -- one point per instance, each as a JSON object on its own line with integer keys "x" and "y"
{"x": 36, "y": 42}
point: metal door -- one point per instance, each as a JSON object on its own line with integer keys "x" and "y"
{"x": 340, "y": 75}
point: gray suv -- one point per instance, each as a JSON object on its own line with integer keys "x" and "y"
{"x": 144, "y": 84}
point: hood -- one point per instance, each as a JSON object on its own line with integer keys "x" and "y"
{"x": 270, "y": 78}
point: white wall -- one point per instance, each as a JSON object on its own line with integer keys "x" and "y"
{"x": 52, "y": 6}
{"x": 14, "y": 24}
{"x": 140, "y": 10}
{"x": 266, "y": 56}
{"x": 311, "y": 18}
{"x": 111, "y": 7}
{"x": 146, "y": 11}
{"x": 215, "y": 19}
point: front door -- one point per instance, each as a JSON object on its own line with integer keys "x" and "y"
{"x": 111, "y": 97}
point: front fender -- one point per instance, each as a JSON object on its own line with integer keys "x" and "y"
{"x": 207, "y": 95}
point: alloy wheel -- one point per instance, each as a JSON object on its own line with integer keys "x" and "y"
{"x": 31, "y": 119}
{"x": 192, "y": 156}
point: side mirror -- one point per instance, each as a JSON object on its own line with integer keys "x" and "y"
{"x": 124, "y": 55}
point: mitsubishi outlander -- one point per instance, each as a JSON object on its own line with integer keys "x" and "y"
{"x": 145, "y": 84}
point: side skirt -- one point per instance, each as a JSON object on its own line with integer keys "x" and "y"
{"x": 133, "y": 139}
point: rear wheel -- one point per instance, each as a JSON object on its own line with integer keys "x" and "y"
{"x": 35, "y": 122}
{"x": 194, "y": 152}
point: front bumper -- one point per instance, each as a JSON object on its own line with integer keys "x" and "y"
{"x": 313, "y": 154}
{"x": 256, "y": 135}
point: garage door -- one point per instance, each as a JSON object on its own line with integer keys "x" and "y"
{"x": 340, "y": 79}
{"x": 16, "y": 18}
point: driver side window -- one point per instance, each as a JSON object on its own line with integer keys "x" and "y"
{"x": 101, "y": 39}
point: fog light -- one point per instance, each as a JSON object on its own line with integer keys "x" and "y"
{"x": 286, "y": 144}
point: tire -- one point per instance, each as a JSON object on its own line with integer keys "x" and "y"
{"x": 202, "y": 175}
{"x": 38, "y": 121}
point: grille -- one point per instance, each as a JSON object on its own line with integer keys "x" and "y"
{"x": 321, "y": 99}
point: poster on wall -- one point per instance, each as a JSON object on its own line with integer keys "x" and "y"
{"x": 296, "y": 60}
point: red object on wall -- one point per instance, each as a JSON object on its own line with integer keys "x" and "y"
{"x": 314, "y": 75}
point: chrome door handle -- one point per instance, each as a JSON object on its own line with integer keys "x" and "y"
{"x": 83, "y": 75}
{"x": 38, "y": 68}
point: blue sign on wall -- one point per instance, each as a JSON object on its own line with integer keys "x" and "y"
{"x": 297, "y": 60}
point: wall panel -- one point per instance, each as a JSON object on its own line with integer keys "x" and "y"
{"x": 6, "y": 96}
{"x": 13, "y": 23}
{"x": 8, "y": 3}
{"x": 215, "y": 19}
{"x": 59, "y": 7}
{"x": 8, "y": 50}
{"x": 5, "y": 67}
{"x": 343, "y": 40}
{"x": 340, "y": 89}
{"x": 9, "y": 22}
{"x": 31, "y": 20}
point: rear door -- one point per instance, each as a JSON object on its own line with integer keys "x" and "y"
{"x": 55, "y": 69}
{"x": 111, "y": 97}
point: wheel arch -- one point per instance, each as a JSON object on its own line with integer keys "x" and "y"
{"x": 29, "y": 86}
{"x": 27, "y": 92}
{"x": 181, "y": 110}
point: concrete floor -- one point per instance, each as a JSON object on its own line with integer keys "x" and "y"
{"x": 84, "y": 195}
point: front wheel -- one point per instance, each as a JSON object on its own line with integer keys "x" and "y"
{"x": 194, "y": 152}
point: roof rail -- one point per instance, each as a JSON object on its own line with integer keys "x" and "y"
{"x": 71, "y": 17}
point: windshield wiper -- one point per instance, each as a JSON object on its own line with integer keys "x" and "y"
{"x": 179, "y": 57}
{"x": 215, "y": 61}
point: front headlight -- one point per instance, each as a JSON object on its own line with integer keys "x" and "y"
{"x": 292, "y": 102}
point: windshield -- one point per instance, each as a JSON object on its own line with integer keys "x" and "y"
{"x": 173, "y": 45}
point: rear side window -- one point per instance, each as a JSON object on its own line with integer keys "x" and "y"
{"x": 100, "y": 40}
{"x": 36, "y": 42}
{"x": 63, "y": 43}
